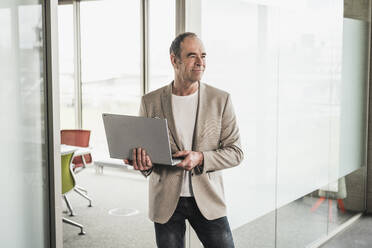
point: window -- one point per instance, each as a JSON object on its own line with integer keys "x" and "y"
{"x": 110, "y": 64}
{"x": 66, "y": 67}
{"x": 162, "y": 33}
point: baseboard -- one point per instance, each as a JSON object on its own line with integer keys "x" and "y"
{"x": 334, "y": 232}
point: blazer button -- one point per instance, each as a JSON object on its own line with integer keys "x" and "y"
{"x": 192, "y": 173}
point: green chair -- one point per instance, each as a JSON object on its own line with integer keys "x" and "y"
{"x": 68, "y": 184}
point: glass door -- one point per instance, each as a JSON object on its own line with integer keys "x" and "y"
{"x": 24, "y": 191}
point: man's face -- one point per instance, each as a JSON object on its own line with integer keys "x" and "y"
{"x": 191, "y": 64}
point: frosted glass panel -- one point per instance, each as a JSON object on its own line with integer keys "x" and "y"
{"x": 353, "y": 96}
{"x": 298, "y": 87}
{"x": 24, "y": 206}
{"x": 243, "y": 61}
{"x": 309, "y": 96}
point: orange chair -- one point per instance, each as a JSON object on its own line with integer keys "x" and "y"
{"x": 77, "y": 137}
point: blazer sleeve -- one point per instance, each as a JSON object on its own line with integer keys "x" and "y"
{"x": 229, "y": 153}
{"x": 143, "y": 113}
{"x": 142, "y": 109}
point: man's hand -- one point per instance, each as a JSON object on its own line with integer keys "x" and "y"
{"x": 191, "y": 160}
{"x": 141, "y": 161}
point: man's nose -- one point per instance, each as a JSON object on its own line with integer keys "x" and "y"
{"x": 199, "y": 61}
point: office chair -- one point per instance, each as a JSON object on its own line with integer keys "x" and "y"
{"x": 68, "y": 183}
{"x": 77, "y": 137}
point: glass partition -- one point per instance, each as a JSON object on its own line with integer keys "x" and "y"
{"x": 353, "y": 86}
{"x": 308, "y": 119}
{"x": 348, "y": 197}
{"x": 25, "y": 208}
{"x": 297, "y": 72}
{"x": 243, "y": 62}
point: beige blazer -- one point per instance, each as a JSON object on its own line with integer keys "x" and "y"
{"x": 216, "y": 134}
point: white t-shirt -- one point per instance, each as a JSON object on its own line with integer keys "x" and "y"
{"x": 184, "y": 113}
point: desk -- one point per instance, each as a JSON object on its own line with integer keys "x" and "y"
{"x": 79, "y": 151}
{"x": 65, "y": 149}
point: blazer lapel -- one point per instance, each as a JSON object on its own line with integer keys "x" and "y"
{"x": 168, "y": 114}
{"x": 199, "y": 122}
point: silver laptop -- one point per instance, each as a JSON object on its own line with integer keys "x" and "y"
{"x": 124, "y": 132}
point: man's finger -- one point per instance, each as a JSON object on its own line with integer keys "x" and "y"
{"x": 126, "y": 161}
{"x": 149, "y": 163}
{"x": 186, "y": 164}
{"x": 183, "y": 163}
{"x": 180, "y": 164}
{"x": 144, "y": 159}
{"x": 134, "y": 155}
{"x": 181, "y": 154}
{"x": 139, "y": 158}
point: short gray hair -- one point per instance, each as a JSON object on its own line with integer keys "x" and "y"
{"x": 176, "y": 44}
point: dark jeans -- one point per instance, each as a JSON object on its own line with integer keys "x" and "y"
{"x": 212, "y": 233}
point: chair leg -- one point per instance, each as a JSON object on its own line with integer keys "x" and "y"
{"x": 84, "y": 162}
{"x": 77, "y": 170}
{"x": 82, "y": 189}
{"x": 84, "y": 195}
{"x": 65, "y": 211}
{"x": 74, "y": 224}
{"x": 69, "y": 205}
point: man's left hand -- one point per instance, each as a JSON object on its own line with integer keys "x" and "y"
{"x": 191, "y": 159}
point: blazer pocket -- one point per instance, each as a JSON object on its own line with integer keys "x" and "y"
{"x": 213, "y": 175}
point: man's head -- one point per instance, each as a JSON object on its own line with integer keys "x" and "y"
{"x": 188, "y": 57}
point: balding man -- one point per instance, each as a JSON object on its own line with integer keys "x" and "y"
{"x": 204, "y": 132}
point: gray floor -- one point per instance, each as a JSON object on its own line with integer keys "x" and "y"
{"x": 358, "y": 235}
{"x": 118, "y": 217}
{"x": 112, "y": 190}
{"x": 296, "y": 225}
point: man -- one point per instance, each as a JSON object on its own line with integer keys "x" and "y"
{"x": 203, "y": 131}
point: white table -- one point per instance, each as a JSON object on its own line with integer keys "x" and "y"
{"x": 65, "y": 149}
{"x": 79, "y": 151}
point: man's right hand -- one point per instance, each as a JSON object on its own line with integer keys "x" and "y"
{"x": 141, "y": 161}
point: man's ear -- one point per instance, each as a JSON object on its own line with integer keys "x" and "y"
{"x": 173, "y": 59}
